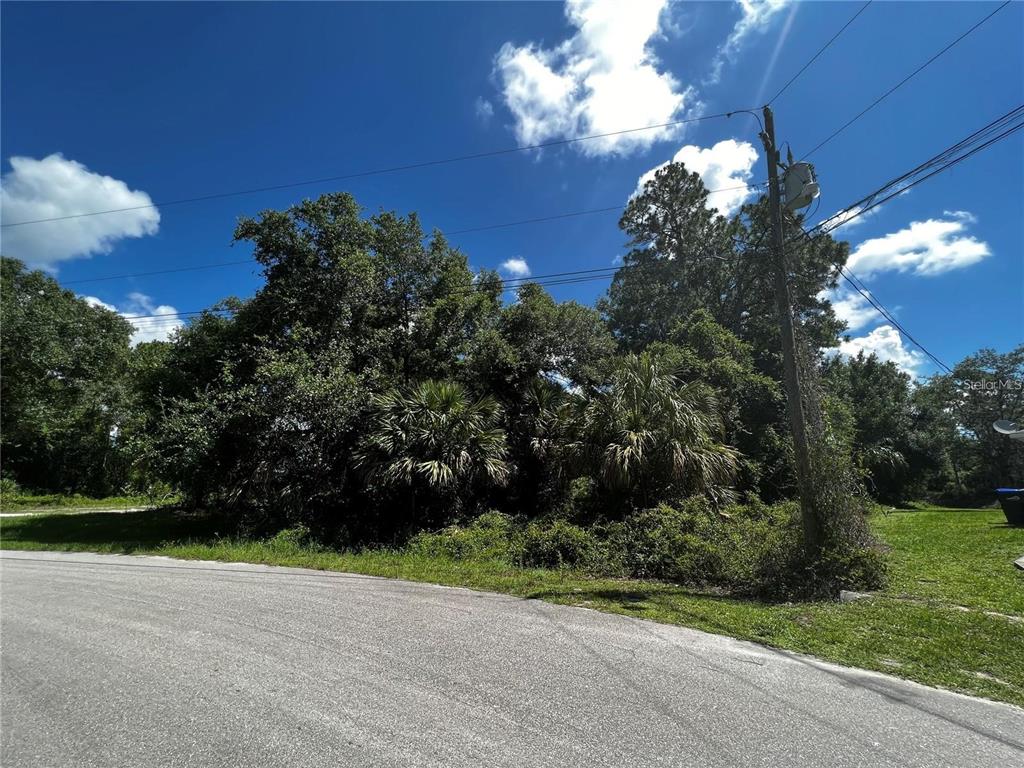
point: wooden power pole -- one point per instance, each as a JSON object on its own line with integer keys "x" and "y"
{"x": 813, "y": 534}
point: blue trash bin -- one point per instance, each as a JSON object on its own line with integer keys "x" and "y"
{"x": 1012, "y": 502}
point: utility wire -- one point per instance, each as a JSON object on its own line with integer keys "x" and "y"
{"x": 880, "y": 308}
{"x": 445, "y": 233}
{"x": 902, "y": 82}
{"x": 914, "y": 183}
{"x": 376, "y": 171}
{"x": 866, "y": 204}
{"x": 996, "y": 130}
{"x": 158, "y": 321}
{"x": 820, "y": 51}
{"x": 553, "y": 278}
{"x": 903, "y": 182}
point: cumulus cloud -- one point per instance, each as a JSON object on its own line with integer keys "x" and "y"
{"x": 755, "y": 17}
{"x": 885, "y": 342}
{"x": 588, "y": 83}
{"x": 727, "y": 164}
{"x": 851, "y": 307}
{"x": 515, "y": 267}
{"x": 145, "y": 315}
{"x": 54, "y": 187}
{"x": 929, "y": 247}
{"x": 484, "y": 110}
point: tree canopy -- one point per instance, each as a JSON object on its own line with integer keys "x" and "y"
{"x": 376, "y": 385}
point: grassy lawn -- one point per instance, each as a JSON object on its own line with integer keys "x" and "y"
{"x": 22, "y": 502}
{"x": 950, "y": 617}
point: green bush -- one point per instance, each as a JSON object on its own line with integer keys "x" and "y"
{"x": 9, "y": 488}
{"x": 295, "y": 540}
{"x": 746, "y": 549}
{"x": 787, "y": 573}
{"x": 692, "y": 543}
{"x": 548, "y": 543}
{"x": 559, "y": 544}
{"x": 491, "y": 536}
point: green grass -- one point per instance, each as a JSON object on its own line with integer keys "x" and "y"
{"x": 947, "y": 569}
{"x": 28, "y": 501}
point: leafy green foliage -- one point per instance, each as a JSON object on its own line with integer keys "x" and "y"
{"x": 560, "y": 544}
{"x": 872, "y": 400}
{"x": 751, "y": 402}
{"x": 375, "y": 389}
{"x": 649, "y": 437}
{"x": 435, "y": 446}
{"x": 538, "y": 338}
{"x": 983, "y": 388}
{"x": 491, "y": 536}
{"x": 685, "y": 257}
{"x": 62, "y": 363}
{"x": 692, "y": 543}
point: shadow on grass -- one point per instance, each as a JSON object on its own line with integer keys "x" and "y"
{"x": 114, "y": 531}
{"x": 681, "y": 603}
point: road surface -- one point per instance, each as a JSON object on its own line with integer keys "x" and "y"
{"x": 140, "y": 661}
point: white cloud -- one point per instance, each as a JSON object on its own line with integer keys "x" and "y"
{"x": 856, "y": 215}
{"x": 55, "y": 186}
{"x": 145, "y": 316}
{"x": 885, "y": 342}
{"x": 515, "y": 267}
{"x": 851, "y": 307}
{"x": 484, "y": 110}
{"x": 755, "y": 17}
{"x": 929, "y": 247}
{"x": 848, "y": 219}
{"x": 728, "y": 163}
{"x": 602, "y": 79}
{"x": 92, "y": 301}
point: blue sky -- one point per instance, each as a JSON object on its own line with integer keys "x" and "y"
{"x": 180, "y": 100}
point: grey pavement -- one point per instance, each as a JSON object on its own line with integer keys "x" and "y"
{"x": 145, "y": 661}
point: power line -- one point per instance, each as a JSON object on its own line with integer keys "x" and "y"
{"x": 902, "y": 82}
{"x": 987, "y": 136}
{"x": 553, "y": 278}
{"x": 914, "y": 183}
{"x": 937, "y": 164}
{"x": 865, "y": 204}
{"x": 948, "y": 158}
{"x": 820, "y": 51}
{"x": 880, "y": 308}
{"x": 944, "y": 159}
{"x": 375, "y": 172}
{"x": 158, "y": 321}
{"x": 160, "y": 272}
{"x": 449, "y": 233}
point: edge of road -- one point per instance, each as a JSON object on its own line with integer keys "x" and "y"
{"x": 894, "y": 688}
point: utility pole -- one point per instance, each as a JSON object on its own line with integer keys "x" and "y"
{"x": 813, "y": 535}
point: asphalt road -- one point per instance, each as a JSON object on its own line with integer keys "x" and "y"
{"x": 132, "y": 661}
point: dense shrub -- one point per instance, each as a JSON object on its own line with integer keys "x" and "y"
{"x": 746, "y": 549}
{"x": 559, "y": 544}
{"x": 9, "y": 488}
{"x": 492, "y": 536}
{"x": 694, "y": 544}
{"x": 295, "y": 540}
{"x": 786, "y": 572}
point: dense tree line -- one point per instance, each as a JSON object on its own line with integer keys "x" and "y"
{"x": 375, "y": 386}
